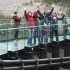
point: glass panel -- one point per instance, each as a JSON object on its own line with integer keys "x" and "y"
{"x": 3, "y": 39}
{"x": 18, "y": 33}
{"x": 7, "y": 32}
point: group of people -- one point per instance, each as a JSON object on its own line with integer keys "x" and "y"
{"x": 38, "y": 25}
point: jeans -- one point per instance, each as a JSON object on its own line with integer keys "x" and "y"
{"x": 45, "y": 38}
{"x": 64, "y": 31}
{"x": 30, "y": 35}
{"x": 16, "y": 34}
{"x": 52, "y": 31}
{"x": 36, "y": 34}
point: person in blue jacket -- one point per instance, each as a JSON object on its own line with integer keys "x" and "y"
{"x": 45, "y": 15}
{"x": 44, "y": 18}
{"x": 54, "y": 25}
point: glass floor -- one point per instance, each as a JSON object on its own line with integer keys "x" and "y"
{"x": 14, "y": 46}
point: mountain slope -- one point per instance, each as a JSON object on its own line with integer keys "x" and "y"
{"x": 7, "y": 7}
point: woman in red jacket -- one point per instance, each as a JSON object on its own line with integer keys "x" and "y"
{"x": 16, "y": 25}
{"x": 30, "y": 24}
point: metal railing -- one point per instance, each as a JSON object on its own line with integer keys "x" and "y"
{"x": 62, "y": 61}
{"x": 7, "y": 32}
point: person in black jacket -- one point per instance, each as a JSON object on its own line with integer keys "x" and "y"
{"x": 44, "y": 18}
{"x": 44, "y": 15}
{"x": 37, "y": 29}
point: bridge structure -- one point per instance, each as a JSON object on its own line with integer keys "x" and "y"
{"x": 53, "y": 55}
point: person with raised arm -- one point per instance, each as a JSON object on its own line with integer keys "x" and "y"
{"x": 54, "y": 25}
{"x": 17, "y": 20}
{"x": 37, "y": 29}
{"x": 44, "y": 17}
{"x": 30, "y": 24}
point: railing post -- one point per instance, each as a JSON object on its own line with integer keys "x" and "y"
{"x": 61, "y": 51}
{"x": 21, "y": 63}
{"x": 1, "y": 64}
{"x": 67, "y": 51}
{"x": 55, "y": 54}
{"x": 28, "y": 55}
{"x": 43, "y": 54}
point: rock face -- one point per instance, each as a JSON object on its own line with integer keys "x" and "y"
{"x": 7, "y": 7}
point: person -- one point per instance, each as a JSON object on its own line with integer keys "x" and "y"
{"x": 68, "y": 21}
{"x": 30, "y": 24}
{"x": 45, "y": 33}
{"x": 54, "y": 25}
{"x": 37, "y": 29}
{"x": 17, "y": 20}
{"x": 64, "y": 22}
{"x": 44, "y": 17}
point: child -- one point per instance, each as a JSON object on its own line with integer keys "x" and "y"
{"x": 45, "y": 32}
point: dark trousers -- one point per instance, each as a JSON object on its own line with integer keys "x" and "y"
{"x": 64, "y": 31}
{"x": 36, "y": 34}
{"x": 16, "y": 34}
{"x": 41, "y": 36}
{"x": 52, "y": 31}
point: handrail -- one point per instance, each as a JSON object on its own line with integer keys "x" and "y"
{"x": 25, "y": 23}
{"x": 38, "y": 60}
{"x": 63, "y": 61}
{"x": 30, "y": 26}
